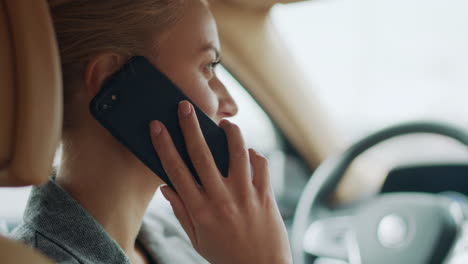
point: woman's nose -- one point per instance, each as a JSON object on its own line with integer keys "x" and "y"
{"x": 227, "y": 105}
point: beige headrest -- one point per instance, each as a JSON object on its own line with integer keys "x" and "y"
{"x": 30, "y": 92}
{"x": 15, "y": 253}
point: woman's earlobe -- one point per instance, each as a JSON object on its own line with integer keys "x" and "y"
{"x": 99, "y": 69}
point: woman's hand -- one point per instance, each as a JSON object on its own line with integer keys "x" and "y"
{"x": 229, "y": 220}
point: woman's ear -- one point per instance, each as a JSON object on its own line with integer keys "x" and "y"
{"x": 99, "y": 69}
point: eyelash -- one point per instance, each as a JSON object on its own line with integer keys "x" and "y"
{"x": 213, "y": 64}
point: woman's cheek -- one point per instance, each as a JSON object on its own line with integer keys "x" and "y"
{"x": 195, "y": 86}
{"x": 207, "y": 100}
{"x": 204, "y": 97}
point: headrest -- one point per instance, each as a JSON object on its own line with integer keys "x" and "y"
{"x": 17, "y": 253}
{"x": 30, "y": 92}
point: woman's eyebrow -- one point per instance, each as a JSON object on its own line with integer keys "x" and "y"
{"x": 211, "y": 47}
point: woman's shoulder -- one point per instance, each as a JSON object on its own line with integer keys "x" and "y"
{"x": 57, "y": 225}
{"x": 31, "y": 237}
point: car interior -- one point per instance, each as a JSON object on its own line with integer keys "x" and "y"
{"x": 31, "y": 106}
{"x": 341, "y": 203}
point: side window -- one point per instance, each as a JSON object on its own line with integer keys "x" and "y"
{"x": 14, "y": 202}
{"x": 288, "y": 171}
{"x": 257, "y": 128}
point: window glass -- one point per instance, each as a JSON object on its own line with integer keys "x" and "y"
{"x": 374, "y": 63}
{"x": 13, "y": 203}
{"x": 256, "y": 126}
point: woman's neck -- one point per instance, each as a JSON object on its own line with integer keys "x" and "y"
{"x": 110, "y": 183}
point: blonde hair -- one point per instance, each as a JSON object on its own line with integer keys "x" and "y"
{"x": 85, "y": 28}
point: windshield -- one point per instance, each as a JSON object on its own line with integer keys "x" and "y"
{"x": 374, "y": 63}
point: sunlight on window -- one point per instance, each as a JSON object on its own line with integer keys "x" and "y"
{"x": 377, "y": 62}
{"x": 13, "y": 203}
{"x": 15, "y": 199}
{"x": 256, "y": 126}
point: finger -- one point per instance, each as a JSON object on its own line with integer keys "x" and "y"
{"x": 180, "y": 212}
{"x": 239, "y": 168}
{"x": 198, "y": 150}
{"x": 178, "y": 173}
{"x": 261, "y": 176}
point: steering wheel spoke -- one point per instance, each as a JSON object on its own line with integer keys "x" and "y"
{"x": 328, "y": 237}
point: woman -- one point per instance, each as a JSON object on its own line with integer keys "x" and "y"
{"x": 93, "y": 210}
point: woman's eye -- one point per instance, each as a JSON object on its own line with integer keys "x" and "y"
{"x": 211, "y": 67}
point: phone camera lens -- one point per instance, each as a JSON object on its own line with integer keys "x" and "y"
{"x": 106, "y": 107}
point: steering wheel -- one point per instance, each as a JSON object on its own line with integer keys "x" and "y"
{"x": 413, "y": 228}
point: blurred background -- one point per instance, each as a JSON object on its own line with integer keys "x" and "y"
{"x": 377, "y": 62}
{"x": 374, "y": 63}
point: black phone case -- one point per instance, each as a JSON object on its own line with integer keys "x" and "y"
{"x": 139, "y": 93}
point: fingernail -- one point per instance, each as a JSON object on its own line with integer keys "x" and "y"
{"x": 184, "y": 108}
{"x": 223, "y": 122}
{"x": 156, "y": 128}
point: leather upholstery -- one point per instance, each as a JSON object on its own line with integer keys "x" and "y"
{"x": 6, "y": 91}
{"x": 16, "y": 253}
{"x": 30, "y": 92}
{"x": 30, "y": 105}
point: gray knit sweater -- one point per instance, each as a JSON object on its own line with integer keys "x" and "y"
{"x": 62, "y": 229}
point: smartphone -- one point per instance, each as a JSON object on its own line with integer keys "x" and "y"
{"x": 138, "y": 94}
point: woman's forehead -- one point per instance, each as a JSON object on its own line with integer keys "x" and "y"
{"x": 195, "y": 31}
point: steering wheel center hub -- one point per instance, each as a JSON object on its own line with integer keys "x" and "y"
{"x": 392, "y": 231}
{"x": 405, "y": 228}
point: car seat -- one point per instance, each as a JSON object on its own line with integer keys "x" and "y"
{"x": 30, "y": 105}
